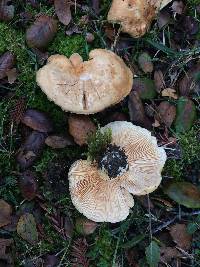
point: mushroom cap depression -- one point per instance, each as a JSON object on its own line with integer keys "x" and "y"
{"x": 135, "y": 16}
{"x": 103, "y": 199}
{"x": 85, "y": 87}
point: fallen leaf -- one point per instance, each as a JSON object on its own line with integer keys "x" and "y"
{"x": 17, "y": 111}
{"x": 5, "y": 213}
{"x": 159, "y": 80}
{"x": 180, "y": 236}
{"x": 41, "y": 56}
{"x": 62, "y": 8}
{"x": 145, "y": 62}
{"x": 28, "y": 184}
{"x": 178, "y": 7}
{"x": 131, "y": 256}
{"x": 136, "y": 111}
{"x": 26, "y": 228}
{"x": 6, "y": 10}
{"x": 37, "y": 120}
{"x": 6, "y": 259}
{"x": 145, "y": 88}
{"x": 96, "y": 6}
{"x": 41, "y": 32}
{"x": 12, "y": 227}
{"x": 186, "y": 114}
{"x": 163, "y": 19}
{"x": 166, "y": 113}
{"x": 190, "y": 25}
{"x": 153, "y": 254}
{"x": 85, "y": 226}
{"x": 80, "y": 126}
{"x": 33, "y": 3}
{"x": 12, "y": 75}
{"x": 190, "y": 82}
{"x": 169, "y": 253}
{"x": 56, "y": 141}
{"x": 184, "y": 193}
{"x": 7, "y": 61}
{"x": 50, "y": 261}
{"x": 31, "y": 149}
{"x": 170, "y": 93}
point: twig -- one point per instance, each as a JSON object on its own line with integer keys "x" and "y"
{"x": 164, "y": 225}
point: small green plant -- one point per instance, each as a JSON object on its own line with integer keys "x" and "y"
{"x": 97, "y": 142}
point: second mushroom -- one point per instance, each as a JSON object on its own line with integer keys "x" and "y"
{"x": 132, "y": 164}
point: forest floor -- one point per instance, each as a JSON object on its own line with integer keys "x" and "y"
{"x": 39, "y": 226}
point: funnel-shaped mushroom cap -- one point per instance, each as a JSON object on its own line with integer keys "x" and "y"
{"x": 86, "y": 87}
{"x": 101, "y": 197}
{"x": 135, "y": 16}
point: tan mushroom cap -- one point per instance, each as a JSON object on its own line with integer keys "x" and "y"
{"x": 102, "y": 199}
{"x": 135, "y": 16}
{"x": 85, "y": 87}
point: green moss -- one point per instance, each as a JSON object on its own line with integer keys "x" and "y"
{"x": 43, "y": 9}
{"x": 190, "y": 146}
{"x": 97, "y": 142}
{"x": 102, "y": 251}
{"x": 67, "y": 45}
{"x": 14, "y": 41}
{"x": 173, "y": 168}
{"x": 190, "y": 151}
{"x": 47, "y": 156}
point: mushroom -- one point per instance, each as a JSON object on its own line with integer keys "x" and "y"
{"x": 135, "y": 16}
{"x": 131, "y": 164}
{"x": 86, "y": 87}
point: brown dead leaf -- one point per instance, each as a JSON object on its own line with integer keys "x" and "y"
{"x": 166, "y": 113}
{"x": 5, "y": 213}
{"x": 178, "y": 7}
{"x": 170, "y": 92}
{"x": 7, "y": 61}
{"x": 57, "y": 141}
{"x": 62, "y": 8}
{"x": 41, "y": 32}
{"x": 85, "y": 226}
{"x": 188, "y": 83}
{"x": 51, "y": 261}
{"x": 145, "y": 62}
{"x": 6, "y": 259}
{"x": 31, "y": 149}
{"x": 37, "y": 120}
{"x": 136, "y": 111}
{"x": 12, "y": 75}
{"x": 80, "y": 126}
{"x": 169, "y": 253}
{"x": 180, "y": 236}
{"x": 6, "y": 10}
{"x": 163, "y": 18}
{"x": 159, "y": 80}
{"x": 28, "y": 184}
{"x": 26, "y": 228}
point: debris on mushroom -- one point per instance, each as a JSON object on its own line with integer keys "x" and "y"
{"x": 131, "y": 164}
{"x": 86, "y": 87}
{"x": 135, "y": 16}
